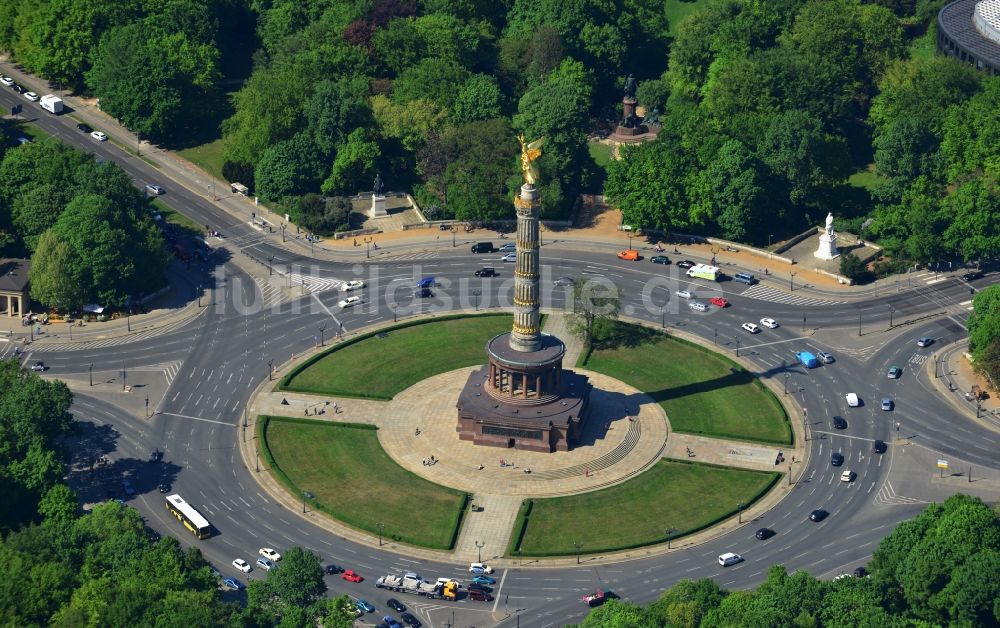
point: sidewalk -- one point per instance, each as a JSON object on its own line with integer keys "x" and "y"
{"x": 954, "y": 378}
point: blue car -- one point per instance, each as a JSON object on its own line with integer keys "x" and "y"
{"x": 364, "y": 606}
{"x": 484, "y": 580}
{"x": 233, "y": 584}
{"x": 390, "y": 621}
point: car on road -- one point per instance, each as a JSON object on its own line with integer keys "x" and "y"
{"x": 764, "y": 534}
{"x": 17, "y": 88}
{"x": 352, "y": 301}
{"x": 156, "y": 455}
{"x": 719, "y": 302}
{"x": 770, "y": 323}
{"x": 729, "y": 558}
{"x": 352, "y": 576}
{"x": 509, "y": 257}
{"x": 698, "y": 306}
{"x": 127, "y": 487}
{"x": 480, "y": 568}
{"x": 32, "y": 96}
{"x": 391, "y": 622}
{"x": 479, "y": 596}
{"x": 895, "y": 372}
{"x": 563, "y": 281}
{"x": 925, "y": 341}
{"x": 154, "y": 190}
{"x": 750, "y": 327}
{"x": 510, "y": 247}
{"x": 660, "y": 259}
{"x": 6, "y": 81}
{"x": 631, "y": 255}
{"x": 836, "y": 459}
{"x": 354, "y": 284}
{"x": 38, "y": 366}
{"x": 483, "y": 580}
{"x": 879, "y": 447}
{"x": 269, "y": 553}
{"x": 99, "y": 136}
{"x": 364, "y": 606}
{"x": 86, "y": 128}
{"x": 887, "y": 403}
{"x": 264, "y": 564}
{"x": 423, "y": 293}
{"x": 839, "y": 423}
{"x": 487, "y": 272}
{"x": 332, "y": 570}
{"x": 685, "y": 263}
{"x": 974, "y": 275}
{"x": 410, "y": 620}
{"x": 852, "y": 400}
{"x": 242, "y": 565}
{"x": 684, "y": 294}
{"x": 395, "y": 605}
{"x": 475, "y": 586}
{"x": 847, "y": 475}
{"x": 233, "y": 583}
{"x": 825, "y": 357}
{"x": 818, "y": 515}
{"x": 164, "y": 487}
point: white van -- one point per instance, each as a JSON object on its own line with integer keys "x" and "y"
{"x": 729, "y": 558}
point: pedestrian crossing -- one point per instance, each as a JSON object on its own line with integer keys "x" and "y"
{"x": 313, "y": 283}
{"x": 765, "y": 293}
{"x": 929, "y": 277}
{"x": 415, "y": 256}
{"x": 271, "y": 294}
{"x": 153, "y": 332}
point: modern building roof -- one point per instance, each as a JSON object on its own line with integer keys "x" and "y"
{"x": 987, "y": 19}
{"x": 970, "y": 30}
{"x": 14, "y": 274}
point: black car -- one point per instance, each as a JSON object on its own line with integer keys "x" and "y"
{"x": 395, "y": 605}
{"x": 660, "y": 259}
{"x": 410, "y": 620}
{"x": 836, "y": 459}
{"x": 764, "y": 533}
{"x": 973, "y": 275}
{"x": 333, "y": 570}
{"x": 423, "y": 293}
{"x": 486, "y": 272}
{"x": 840, "y": 423}
{"x": 17, "y": 88}
{"x": 164, "y": 487}
{"x": 475, "y": 586}
{"x": 879, "y": 447}
{"x": 86, "y": 128}
{"x": 818, "y": 515}
{"x": 685, "y": 263}
{"x": 860, "y": 572}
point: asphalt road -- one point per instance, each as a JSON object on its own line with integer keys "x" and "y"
{"x": 223, "y": 355}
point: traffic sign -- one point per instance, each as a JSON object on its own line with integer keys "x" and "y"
{"x": 942, "y": 464}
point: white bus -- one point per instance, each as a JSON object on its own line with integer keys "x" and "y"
{"x": 703, "y": 271}
{"x": 191, "y": 518}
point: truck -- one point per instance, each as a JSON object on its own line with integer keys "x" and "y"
{"x": 52, "y": 103}
{"x": 416, "y": 586}
{"x": 703, "y": 271}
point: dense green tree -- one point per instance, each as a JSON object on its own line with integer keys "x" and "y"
{"x": 411, "y": 123}
{"x": 291, "y": 596}
{"x": 479, "y": 98}
{"x": 355, "y": 165}
{"x": 912, "y": 227}
{"x": 447, "y": 37}
{"x": 988, "y": 364}
{"x": 527, "y": 58}
{"x": 984, "y": 322}
{"x": 289, "y": 168}
{"x": 35, "y": 210}
{"x": 687, "y": 602}
{"x": 618, "y": 614}
{"x": 796, "y": 149}
{"x": 970, "y": 133}
{"x": 974, "y": 229}
{"x": 649, "y": 185}
{"x": 266, "y": 113}
{"x": 905, "y": 150}
{"x": 334, "y": 110}
{"x": 397, "y": 46}
{"x": 480, "y": 158}
{"x": 433, "y": 79}
{"x": 57, "y": 274}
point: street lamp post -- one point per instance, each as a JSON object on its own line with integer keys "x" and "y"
{"x": 739, "y": 512}
{"x": 475, "y": 296}
{"x": 321, "y": 338}
{"x": 270, "y": 370}
{"x": 859, "y": 323}
{"x": 737, "y": 338}
{"x": 124, "y": 376}
{"x": 577, "y": 545}
{"x": 670, "y": 532}
{"x": 453, "y": 232}
{"x": 368, "y": 247}
{"x": 479, "y": 549}
{"x": 147, "y": 406}
{"x": 892, "y": 311}
{"x": 128, "y": 321}
{"x": 305, "y": 495}
{"x": 791, "y": 281}
{"x": 787, "y": 375}
{"x": 90, "y": 370}
{"x": 381, "y": 527}
{"x": 715, "y": 336}
{"x": 270, "y": 270}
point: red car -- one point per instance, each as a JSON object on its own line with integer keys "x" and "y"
{"x": 719, "y": 301}
{"x": 351, "y": 576}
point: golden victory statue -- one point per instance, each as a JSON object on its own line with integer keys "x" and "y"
{"x": 529, "y": 153}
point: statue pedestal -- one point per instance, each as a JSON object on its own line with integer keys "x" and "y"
{"x": 378, "y": 206}
{"x": 827, "y": 247}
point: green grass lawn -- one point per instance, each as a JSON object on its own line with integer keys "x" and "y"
{"x": 682, "y": 496}
{"x": 866, "y": 179}
{"x": 677, "y": 10}
{"x": 601, "y": 153}
{"x": 353, "y": 479}
{"x": 380, "y": 366}
{"x": 702, "y": 392}
{"x": 208, "y": 157}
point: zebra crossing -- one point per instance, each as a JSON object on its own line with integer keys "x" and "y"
{"x": 313, "y": 283}
{"x": 764, "y": 293}
{"x": 271, "y": 294}
{"x": 930, "y": 277}
{"x": 153, "y": 332}
{"x": 414, "y": 256}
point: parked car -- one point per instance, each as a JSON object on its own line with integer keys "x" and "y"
{"x": 764, "y": 534}
{"x": 836, "y": 459}
{"x": 895, "y": 372}
{"x": 750, "y": 327}
{"x": 32, "y": 96}
{"x": 6, "y": 81}
{"x": 719, "y": 301}
{"x": 887, "y": 403}
{"x": 352, "y": 576}
{"x": 264, "y": 564}
{"x": 925, "y": 341}
{"x": 818, "y": 515}
{"x": 770, "y": 323}
{"x": 629, "y": 254}
{"x": 99, "y": 136}
{"x": 86, "y": 128}
{"x": 364, "y": 606}
{"x": 242, "y": 565}
{"x": 269, "y": 553}
{"x": 395, "y": 605}
{"x": 660, "y": 259}
{"x": 839, "y": 423}
{"x": 487, "y": 272}
{"x": 233, "y": 583}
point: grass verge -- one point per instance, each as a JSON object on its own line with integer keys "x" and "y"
{"x": 382, "y": 364}
{"x": 176, "y": 218}
{"x": 674, "y": 495}
{"x": 352, "y": 478}
{"x": 206, "y": 156}
{"x": 701, "y": 391}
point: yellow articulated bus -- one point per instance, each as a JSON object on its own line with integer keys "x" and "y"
{"x": 191, "y": 518}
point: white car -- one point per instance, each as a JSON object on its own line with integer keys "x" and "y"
{"x": 350, "y": 302}
{"x": 264, "y": 564}
{"x": 750, "y": 327}
{"x": 509, "y": 257}
{"x": 852, "y": 400}
{"x": 242, "y": 565}
{"x": 99, "y": 136}
{"x": 847, "y": 476}
{"x": 729, "y": 558}
{"x": 269, "y": 553}
{"x": 480, "y": 568}
{"x": 32, "y": 96}
{"x": 154, "y": 189}
{"x": 6, "y": 81}
{"x": 355, "y": 284}
{"x": 684, "y": 294}
{"x": 770, "y": 323}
